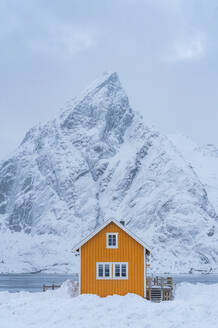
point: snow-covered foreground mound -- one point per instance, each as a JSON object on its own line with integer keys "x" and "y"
{"x": 195, "y": 306}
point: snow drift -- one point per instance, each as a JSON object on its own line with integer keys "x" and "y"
{"x": 194, "y": 306}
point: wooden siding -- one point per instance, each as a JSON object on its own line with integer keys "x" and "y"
{"x": 128, "y": 250}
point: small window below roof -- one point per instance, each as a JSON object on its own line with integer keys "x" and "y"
{"x": 112, "y": 240}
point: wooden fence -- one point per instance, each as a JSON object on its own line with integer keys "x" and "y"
{"x": 53, "y": 287}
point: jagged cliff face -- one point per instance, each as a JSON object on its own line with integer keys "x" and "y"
{"x": 94, "y": 161}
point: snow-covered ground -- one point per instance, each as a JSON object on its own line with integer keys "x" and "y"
{"x": 195, "y": 306}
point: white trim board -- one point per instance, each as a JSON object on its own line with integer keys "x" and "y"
{"x": 120, "y": 225}
{"x": 145, "y": 272}
{"x": 80, "y": 271}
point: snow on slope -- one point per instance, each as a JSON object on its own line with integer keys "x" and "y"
{"x": 204, "y": 160}
{"x": 57, "y": 310}
{"x": 96, "y": 160}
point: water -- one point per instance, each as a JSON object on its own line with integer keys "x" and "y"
{"x": 31, "y": 282}
{"x": 34, "y": 282}
{"x": 196, "y": 278}
{"x": 209, "y": 278}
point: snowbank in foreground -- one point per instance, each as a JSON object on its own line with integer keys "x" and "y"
{"x": 195, "y": 306}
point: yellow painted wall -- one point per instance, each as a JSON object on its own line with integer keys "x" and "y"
{"x": 128, "y": 250}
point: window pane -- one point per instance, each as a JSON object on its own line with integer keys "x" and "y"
{"x": 110, "y": 240}
{"x": 114, "y": 240}
{"x": 123, "y": 270}
{"x": 107, "y": 270}
{"x": 117, "y": 270}
{"x": 100, "y": 270}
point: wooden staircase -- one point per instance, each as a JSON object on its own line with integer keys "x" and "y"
{"x": 156, "y": 295}
{"x": 159, "y": 289}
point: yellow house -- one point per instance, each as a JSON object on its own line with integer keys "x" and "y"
{"x": 112, "y": 261}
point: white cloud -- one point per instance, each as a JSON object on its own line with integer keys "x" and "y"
{"x": 190, "y": 49}
{"x": 74, "y": 40}
{"x": 65, "y": 39}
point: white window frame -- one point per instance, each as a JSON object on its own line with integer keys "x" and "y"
{"x": 112, "y": 271}
{"x": 103, "y": 263}
{"x": 127, "y": 271}
{"x": 107, "y": 239}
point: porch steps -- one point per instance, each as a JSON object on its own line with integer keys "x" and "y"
{"x": 156, "y": 295}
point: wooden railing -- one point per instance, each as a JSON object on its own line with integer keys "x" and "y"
{"x": 159, "y": 281}
{"x": 53, "y": 286}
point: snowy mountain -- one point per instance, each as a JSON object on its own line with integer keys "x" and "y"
{"x": 96, "y": 160}
{"x": 204, "y": 160}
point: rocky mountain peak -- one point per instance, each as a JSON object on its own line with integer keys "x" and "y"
{"x": 103, "y": 105}
{"x": 96, "y": 160}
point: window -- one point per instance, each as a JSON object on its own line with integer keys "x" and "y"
{"x": 117, "y": 270}
{"x": 104, "y": 270}
{"x": 111, "y": 270}
{"x": 100, "y": 271}
{"x": 112, "y": 240}
{"x": 120, "y": 270}
{"x": 107, "y": 270}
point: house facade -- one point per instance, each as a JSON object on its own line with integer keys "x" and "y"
{"x": 112, "y": 261}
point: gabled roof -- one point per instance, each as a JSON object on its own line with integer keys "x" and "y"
{"x": 121, "y": 226}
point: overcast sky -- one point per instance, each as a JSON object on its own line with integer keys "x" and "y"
{"x": 165, "y": 52}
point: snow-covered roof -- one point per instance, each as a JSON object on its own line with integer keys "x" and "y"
{"x": 121, "y": 226}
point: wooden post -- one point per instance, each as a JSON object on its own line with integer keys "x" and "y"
{"x": 162, "y": 282}
{"x": 43, "y": 288}
{"x": 170, "y": 281}
{"x": 52, "y": 287}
